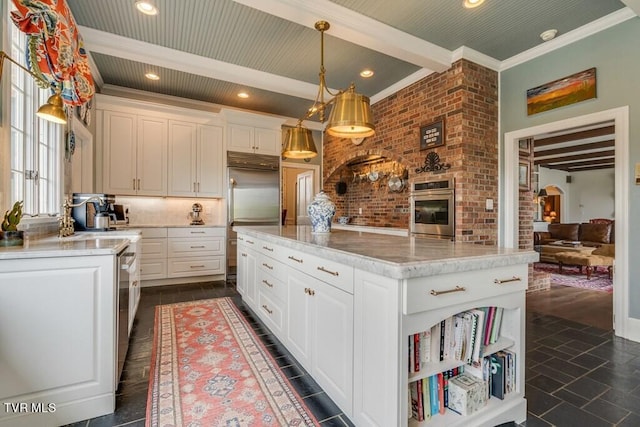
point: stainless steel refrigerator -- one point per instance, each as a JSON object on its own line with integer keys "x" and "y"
{"x": 253, "y": 197}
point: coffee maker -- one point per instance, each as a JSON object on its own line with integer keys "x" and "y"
{"x": 92, "y": 211}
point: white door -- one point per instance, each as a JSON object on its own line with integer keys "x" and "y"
{"x": 304, "y": 196}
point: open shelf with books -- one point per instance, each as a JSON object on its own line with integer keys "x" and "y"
{"x": 463, "y": 363}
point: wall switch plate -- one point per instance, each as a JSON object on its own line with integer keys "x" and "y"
{"x": 489, "y": 204}
{"x": 359, "y": 211}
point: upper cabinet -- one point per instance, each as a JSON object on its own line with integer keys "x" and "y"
{"x": 135, "y": 154}
{"x": 195, "y": 159}
{"x": 250, "y": 139}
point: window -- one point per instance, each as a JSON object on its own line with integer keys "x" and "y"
{"x": 35, "y": 143}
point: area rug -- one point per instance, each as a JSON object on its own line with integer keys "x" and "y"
{"x": 208, "y": 368}
{"x": 571, "y": 276}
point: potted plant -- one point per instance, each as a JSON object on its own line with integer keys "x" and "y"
{"x": 10, "y": 235}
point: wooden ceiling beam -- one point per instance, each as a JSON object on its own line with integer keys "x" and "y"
{"x": 578, "y": 157}
{"x": 572, "y": 149}
{"x": 592, "y": 133}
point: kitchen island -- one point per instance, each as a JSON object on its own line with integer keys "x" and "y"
{"x": 346, "y": 304}
{"x": 61, "y": 311}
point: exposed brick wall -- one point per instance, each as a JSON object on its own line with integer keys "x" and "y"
{"x": 466, "y": 97}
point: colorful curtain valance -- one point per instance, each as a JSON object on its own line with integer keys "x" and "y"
{"x": 55, "y": 49}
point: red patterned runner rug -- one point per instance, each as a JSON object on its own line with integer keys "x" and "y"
{"x": 208, "y": 368}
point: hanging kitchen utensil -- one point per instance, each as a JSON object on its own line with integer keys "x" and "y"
{"x": 396, "y": 184}
{"x": 341, "y": 186}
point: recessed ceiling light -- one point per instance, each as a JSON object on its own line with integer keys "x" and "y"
{"x": 366, "y": 73}
{"x": 243, "y": 95}
{"x": 152, "y": 76}
{"x": 470, "y": 4}
{"x": 548, "y": 35}
{"x": 146, "y": 7}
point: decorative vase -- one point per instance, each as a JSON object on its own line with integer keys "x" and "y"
{"x": 11, "y": 238}
{"x": 321, "y": 212}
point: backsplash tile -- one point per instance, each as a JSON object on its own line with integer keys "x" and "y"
{"x": 171, "y": 210}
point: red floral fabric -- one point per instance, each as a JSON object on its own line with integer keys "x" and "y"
{"x": 56, "y": 51}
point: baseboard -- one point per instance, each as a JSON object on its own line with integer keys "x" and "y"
{"x": 631, "y": 330}
{"x": 182, "y": 280}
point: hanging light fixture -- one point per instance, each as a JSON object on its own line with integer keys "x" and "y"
{"x": 350, "y": 115}
{"x": 53, "y": 110}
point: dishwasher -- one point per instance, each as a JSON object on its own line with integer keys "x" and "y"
{"x": 126, "y": 263}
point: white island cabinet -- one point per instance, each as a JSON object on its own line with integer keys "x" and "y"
{"x": 58, "y": 327}
{"x": 347, "y": 304}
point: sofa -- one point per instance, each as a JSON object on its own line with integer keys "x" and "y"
{"x": 589, "y": 234}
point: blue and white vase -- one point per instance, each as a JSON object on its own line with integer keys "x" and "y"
{"x": 321, "y": 212}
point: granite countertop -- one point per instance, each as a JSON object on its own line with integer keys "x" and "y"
{"x": 128, "y": 226}
{"x": 392, "y": 256}
{"x": 78, "y": 244}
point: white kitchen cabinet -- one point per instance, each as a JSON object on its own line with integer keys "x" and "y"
{"x": 195, "y": 159}
{"x": 349, "y": 327}
{"x": 135, "y": 154}
{"x": 246, "y": 276}
{"x": 196, "y": 251}
{"x": 58, "y": 323}
{"x": 250, "y": 139}
{"x": 153, "y": 263}
{"x": 320, "y": 333}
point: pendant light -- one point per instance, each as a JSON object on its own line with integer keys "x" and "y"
{"x": 350, "y": 114}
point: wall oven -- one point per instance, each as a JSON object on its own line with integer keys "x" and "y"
{"x": 433, "y": 208}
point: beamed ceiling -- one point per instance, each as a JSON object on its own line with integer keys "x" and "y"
{"x": 577, "y": 150}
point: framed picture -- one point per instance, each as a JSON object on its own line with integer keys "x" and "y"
{"x": 432, "y": 135}
{"x": 524, "y": 176}
{"x": 524, "y": 146}
{"x": 559, "y": 93}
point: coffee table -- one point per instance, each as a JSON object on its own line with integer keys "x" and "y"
{"x": 548, "y": 252}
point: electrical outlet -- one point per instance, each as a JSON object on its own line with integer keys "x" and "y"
{"x": 359, "y": 211}
{"x": 404, "y": 210}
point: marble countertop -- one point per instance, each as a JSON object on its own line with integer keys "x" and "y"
{"x": 129, "y": 226}
{"x": 392, "y": 256}
{"x": 78, "y": 244}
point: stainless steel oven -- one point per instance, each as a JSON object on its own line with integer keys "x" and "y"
{"x": 433, "y": 208}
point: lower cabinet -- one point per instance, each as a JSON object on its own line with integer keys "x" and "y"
{"x": 182, "y": 252}
{"x": 58, "y": 325}
{"x": 320, "y": 334}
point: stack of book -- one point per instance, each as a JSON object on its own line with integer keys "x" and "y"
{"x": 460, "y": 337}
{"x": 429, "y": 396}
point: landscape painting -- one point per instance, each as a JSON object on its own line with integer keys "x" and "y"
{"x": 568, "y": 90}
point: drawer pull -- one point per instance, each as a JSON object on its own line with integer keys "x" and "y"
{"x": 456, "y": 289}
{"x": 270, "y": 267}
{"x": 267, "y": 309}
{"x": 240, "y": 238}
{"x": 309, "y": 291}
{"x": 197, "y": 232}
{"x": 295, "y": 259}
{"x": 501, "y": 281}
{"x": 250, "y": 242}
{"x": 243, "y": 254}
{"x": 197, "y": 266}
{"x": 266, "y": 282}
{"x": 333, "y": 273}
{"x": 268, "y": 248}
{"x": 197, "y": 247}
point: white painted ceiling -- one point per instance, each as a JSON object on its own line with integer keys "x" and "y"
{"x": 209, "y": 50}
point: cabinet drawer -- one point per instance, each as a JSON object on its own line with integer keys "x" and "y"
{"x": 268, "y": 249}
{"x": 272, "y": 312}
{"x": 272, "y": 267}
{"x": 334, "y": 273}
{"x": 250, "y": 242}
{"x": 156, "y": 248}
{"x": 195, "y": 247}
{"x": 196, "y": 232}
{"x": 200, "y": 266}
{"x": 153, "y": 269}
{"x": 427, "y": 293}
{"x": 271, "y": 285}
{"x": 153, "y": 232}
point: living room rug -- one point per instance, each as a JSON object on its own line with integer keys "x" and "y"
{"x": 571, "y": 276}
{"x": 209, "y": 368}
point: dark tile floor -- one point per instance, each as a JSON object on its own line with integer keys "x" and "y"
{"x": 131, "y": 397}
{"x": 577, "y": 374}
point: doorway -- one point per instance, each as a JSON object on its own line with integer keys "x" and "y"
{"x": 509, "y": 230}
{"x": 300, "y": 183}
